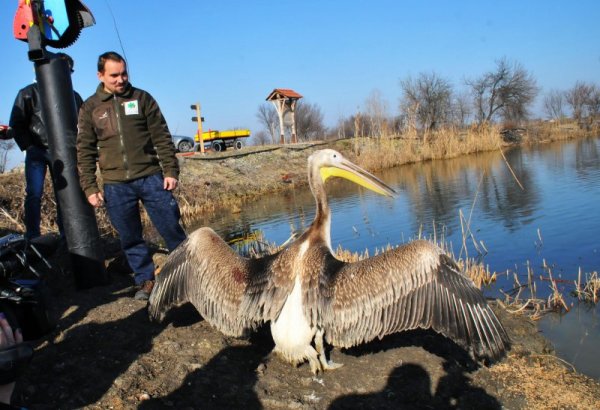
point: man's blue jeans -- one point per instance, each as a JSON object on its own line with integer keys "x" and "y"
{"x": 122, "y": 203}
{"x": 37, "y": 160}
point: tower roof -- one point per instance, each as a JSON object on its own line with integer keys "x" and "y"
{"x": 281, "y": 93}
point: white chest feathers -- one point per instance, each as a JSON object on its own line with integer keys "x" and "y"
{"x": 291, "y": 331}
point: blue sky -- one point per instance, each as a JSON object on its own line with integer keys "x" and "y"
{"x": 229, "y": 55}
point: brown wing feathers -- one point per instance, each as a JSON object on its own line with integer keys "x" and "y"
{"x": 205, "y": 271}
{"x": 470, "y": 321}
{"x": 170, "y": 288}
{"x": 414, "y": 286}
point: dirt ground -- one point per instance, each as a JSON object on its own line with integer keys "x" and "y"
{"x": 105, "y": 353}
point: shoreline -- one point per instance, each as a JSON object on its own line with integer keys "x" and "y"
{"x": 225, "y": 180}
{"x": 215, "y": 181}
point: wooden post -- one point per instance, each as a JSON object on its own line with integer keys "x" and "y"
{"x": 293, "y": 131}
{"x": 279, "y": 107}
{"x": 201, "y": 141}
{"x": 281, "y": 126}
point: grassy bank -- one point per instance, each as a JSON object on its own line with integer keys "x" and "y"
{"x": 223, "y": 181}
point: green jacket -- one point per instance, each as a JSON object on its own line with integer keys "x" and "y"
{"x": 127, "y": 135}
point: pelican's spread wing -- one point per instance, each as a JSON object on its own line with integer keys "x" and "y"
{"x": 413, "y": 286}
{"x": 205, "y": 271}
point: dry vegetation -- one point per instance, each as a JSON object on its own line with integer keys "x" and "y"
{"x": 562, "y": 388}
{"x": 588, "y": 288}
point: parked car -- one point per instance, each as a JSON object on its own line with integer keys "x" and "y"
{"x": 183, "y": 143}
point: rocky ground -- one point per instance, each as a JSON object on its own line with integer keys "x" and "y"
{"x": 106, "y": 354}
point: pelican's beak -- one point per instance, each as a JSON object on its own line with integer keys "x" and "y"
{"x": 348, "y": 170}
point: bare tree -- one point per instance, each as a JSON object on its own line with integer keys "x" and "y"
{"x": 309, "y": 121}
{"x": 345, "y": 127}
{"x": 261, "y": 138}
{"x": 5, "y": 147}
{"x": 358, "y": 125}
{"x": 506, "y": 92}
{"x": 397, "y": 124}
{"x": 361, "y": 125}
{"x": 554, "y": 102}
{"x": 461, "y": 109}
{"x": 578, "y": 98}
{"x": 267, "y": 116}
{"x": 593, "y": 103}
{"x": 376, "y": 114}
{"x": 428, "y": 98}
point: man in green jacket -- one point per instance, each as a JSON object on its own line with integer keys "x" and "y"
{"x": 122, "y": 128}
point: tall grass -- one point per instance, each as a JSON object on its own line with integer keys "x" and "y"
{"x": 546, "y": 131}
{"x": 391, "y": 151}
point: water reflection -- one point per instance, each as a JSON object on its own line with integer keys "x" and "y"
{"x": 575, "y": 337}
{"x": 551, "y": 219}
{"x": 587, "y": 158}
{"x": 438, "y": 189}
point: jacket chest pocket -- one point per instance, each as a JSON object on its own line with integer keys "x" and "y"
{"x": 105, "y": 122}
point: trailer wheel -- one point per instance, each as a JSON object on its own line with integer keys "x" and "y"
{"x": 237, "y": 144}
{"x": 218, "y": 146}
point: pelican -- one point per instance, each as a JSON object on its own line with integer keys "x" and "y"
{"x": 310, "y": 297}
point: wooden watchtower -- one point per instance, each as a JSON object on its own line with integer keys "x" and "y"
{"x": 285, "y": 103}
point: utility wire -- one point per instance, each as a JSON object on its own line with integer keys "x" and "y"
{"x": 118, "y": 36}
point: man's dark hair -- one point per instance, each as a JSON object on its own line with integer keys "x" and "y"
{"x": 109, "y": 55}
{"x": 68, "y": 59}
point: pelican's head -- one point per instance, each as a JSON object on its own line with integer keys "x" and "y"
{"x": 331, "y": 163}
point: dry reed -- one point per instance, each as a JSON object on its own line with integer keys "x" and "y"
{"x": 394, "y": 150}
{"x": 522, "y": 297}
{"x": 587, "y": 290}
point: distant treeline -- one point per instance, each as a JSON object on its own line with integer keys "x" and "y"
{"x": 430, "y": 102}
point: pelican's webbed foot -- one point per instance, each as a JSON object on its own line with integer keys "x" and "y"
{"x": 325, "y": 364}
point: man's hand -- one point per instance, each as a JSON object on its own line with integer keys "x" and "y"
{"x": 8, "y": 338}
{"x": 170, "y": 183}
{"x": 96, "y": 200}
{"x": 3, "y": 132}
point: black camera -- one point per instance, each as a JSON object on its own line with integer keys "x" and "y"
{"x": 23, "y": 268}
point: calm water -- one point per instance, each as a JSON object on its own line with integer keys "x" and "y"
{"x": 554, "y": 218}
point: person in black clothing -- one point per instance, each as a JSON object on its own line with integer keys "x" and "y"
{"x": 27, "y": 128}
